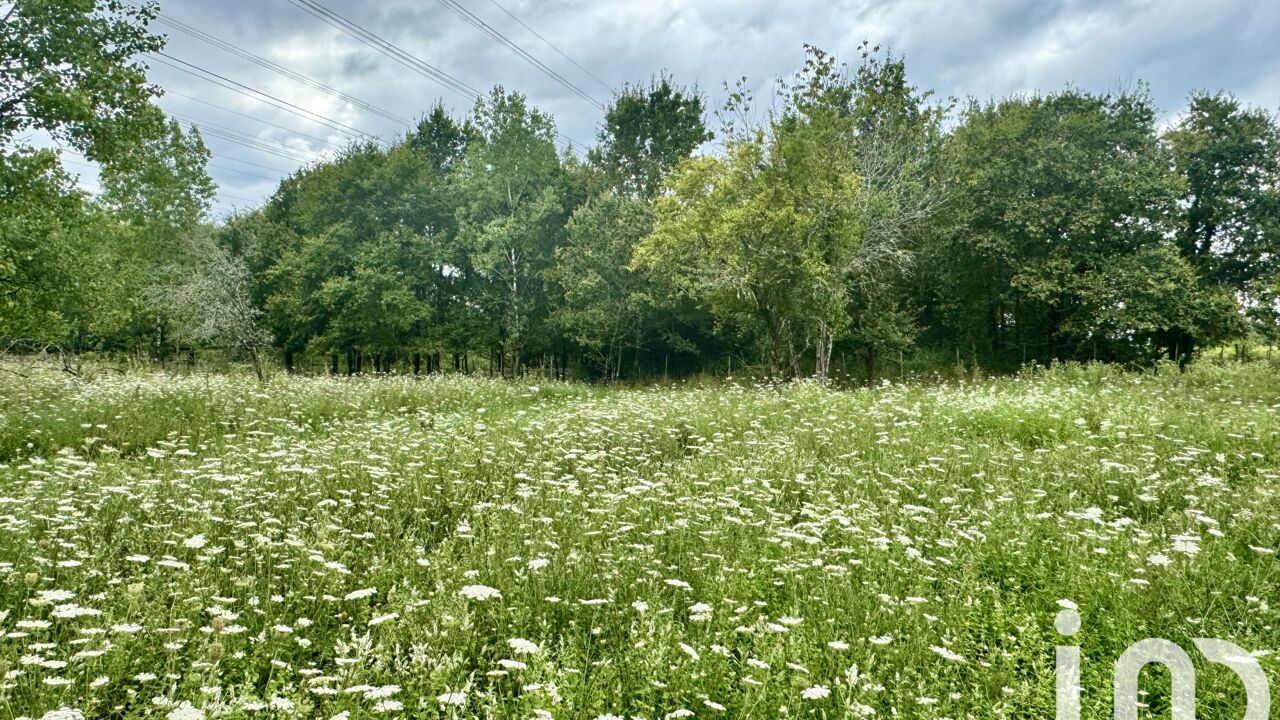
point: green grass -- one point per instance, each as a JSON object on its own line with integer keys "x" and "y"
{"x": 721, "y": 550}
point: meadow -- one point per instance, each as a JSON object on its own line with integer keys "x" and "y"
{"x": 207, "y": 546}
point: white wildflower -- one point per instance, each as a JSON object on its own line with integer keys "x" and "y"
{"x": 452, "y": 698}
{"x": 520, "y": 646}
{"x": 815, "y": 692}
{"x": 185, "y": 711}
{"x": 480, "y": 592}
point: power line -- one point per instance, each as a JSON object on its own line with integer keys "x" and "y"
{"x": 507, "y": 42}
{"x": 549, "y": 44}
{"x": 266, "y": 98}
{"x": 280, "y": 69}
{"x": 80, "y": 164}
{"x": 237, "y": 197}
{"x": 248, "y": 141}
{"x": 191, "y": 120}
{"x": 230, "y": 134}
{"x": 392, "y": 51}
{"x": 96, "y": 186}
{"x": 251, "y": 146}
{"x": 254, "y": 164}
{"x": 242, "y": 172}
{"x": 228, "y": 83}
{"x": 98, "y": 169}
{"x": 251, "y": 117}
{"x": 315, "y": 9}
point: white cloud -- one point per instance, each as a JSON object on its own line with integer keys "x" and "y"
{"x": 983, "y": 48}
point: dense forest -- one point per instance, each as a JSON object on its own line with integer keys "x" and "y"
{"x": 848, "y": 224}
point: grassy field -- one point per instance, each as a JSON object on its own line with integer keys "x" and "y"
{"x": 459, "y": 547}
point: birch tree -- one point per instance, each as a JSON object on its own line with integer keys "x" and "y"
{"x": 511, "y": 214}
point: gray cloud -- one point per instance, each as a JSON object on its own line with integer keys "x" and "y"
{"x": 981, "y": 48}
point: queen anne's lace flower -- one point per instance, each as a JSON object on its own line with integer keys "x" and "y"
{"x": 480, "y": 592}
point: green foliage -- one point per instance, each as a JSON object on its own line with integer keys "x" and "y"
{"x": 607, "y": 305}
{"x": 40, "y": 221}
{"x": 1230, "y": 158}
{"x": 359, "y": 255}
{"x": 439, "y": 139}
{"x": 646, "y": 132}
{"x": 161, "y": 182}
{"x": 654, "y": 549}
{"x": 380, "y": 303}
{"x": 512, "y": 215}
{"x": 801, "y": 224}
{"x": 78, "y": 272}
{"x": 858, "y": 221}
{"x": 1057, "y": 240}
{"x": 68, "y": 69}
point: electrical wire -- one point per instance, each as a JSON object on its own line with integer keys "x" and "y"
{"x": 396, "y": 53}
{"x": 266, "y": 98}
{"x": 251, "y": 117}
{"x": 315, "y": 9}
{"x": 510, "y": 44}
{"x": 171, "y": 22}
{"x": 549, "y": 44}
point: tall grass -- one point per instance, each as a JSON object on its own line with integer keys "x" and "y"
{"x": 459, "y": 547}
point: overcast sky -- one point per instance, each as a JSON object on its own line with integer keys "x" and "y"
{"x": 979, "y": 48}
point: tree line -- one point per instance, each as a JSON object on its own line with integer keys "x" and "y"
{"x": 847, "y": 221}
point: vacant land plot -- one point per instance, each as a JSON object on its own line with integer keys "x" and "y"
{"x": 457, "y": 547}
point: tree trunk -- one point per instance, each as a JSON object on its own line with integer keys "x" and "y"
{"x": 514, "y": 345}
{"x": 1001, "y": 328}
{"x": 635, "y": 360}
{"x": 822, "y": 354}
{"x": 416, "y": 360}
{"x": 257, "y": 363}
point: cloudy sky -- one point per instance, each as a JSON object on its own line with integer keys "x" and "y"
{"x": 979, "y": 48}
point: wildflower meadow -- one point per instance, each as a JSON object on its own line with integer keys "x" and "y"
{"x": 190, "y": 547}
